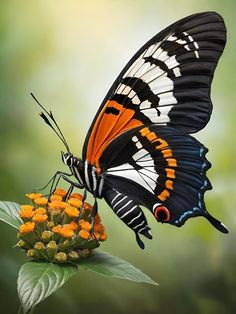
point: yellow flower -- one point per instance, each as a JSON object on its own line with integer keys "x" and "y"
{"x": 60, "y": 192}
{"x": 41, "y": 201}
{"x": 27, "y": 227}
{"x": 77, "y": 196}
{"x": 26, "y": 211}
{"x": 84, "y": 234}
{"x": 72, "y": 212}
{"x": 97, "y": 219}
{"x": 56, "y": 198}
{"x": 33, "y": 196}
{"x": 75, "y": 202}
{"x": 88, "y": 207}
{"x": 65, "y": 230}
{"x": 61, "y": 226}
{"x": 26, "y": 207}
{"x": 57, "y": 229}
{"x": 103, "y": 237}
{"x": 97, "y": 235}
{"x": 74, "y": 226}
{"x": 40, "y": 210}
{"x": 85, "y": 225}
{"x": 99, "y": 228}
{"x": 40, "y": 217}
{"x": 57, "y": 205}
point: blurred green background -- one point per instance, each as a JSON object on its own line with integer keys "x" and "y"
{"x": 68, "y": 53}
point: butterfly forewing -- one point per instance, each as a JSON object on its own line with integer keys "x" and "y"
{"x": 167, "y": 82}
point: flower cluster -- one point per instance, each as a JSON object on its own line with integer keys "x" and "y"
{"x": 59, "y": 229}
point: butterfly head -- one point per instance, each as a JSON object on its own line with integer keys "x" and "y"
{"x": 67, "y": 159}
{"x": 72, "y": 162}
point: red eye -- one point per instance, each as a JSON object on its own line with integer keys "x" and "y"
{"x": 161, "y": 213}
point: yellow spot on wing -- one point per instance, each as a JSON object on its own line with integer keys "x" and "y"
{"x": 167, "y": 153}
{"x": 169, "y": 184}
{"x": 170, "y": 173}
{"x": 151, "y": 136}
{"x": 163, "y": 195}
{"x": 144, "y": 131}
{"x": 171, "y": 162}
{"x": 162, "y": 144}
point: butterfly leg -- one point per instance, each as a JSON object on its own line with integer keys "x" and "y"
{"x": 83, "y": 201}
{"x": 93, "y": 214}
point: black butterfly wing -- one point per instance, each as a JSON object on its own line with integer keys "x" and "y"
{"x": 167, "y": 82}
{"x": 160, "y": 168}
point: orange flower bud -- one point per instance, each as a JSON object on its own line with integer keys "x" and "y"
{"x": 77, "y": 196}
{"x": 27, "y": 227}
{"x": 84, "y": 234}
{"x": 66, "y": 232}
{"x": 56, "y": 198}
{"x": 26, "y": 211}
{"x": 40, "y": 217}
{"x": 60, "y": 192}
{"x": 75, "y": 202}
{"x": 33, "y": 196}
{"x": 103, "y": 237}
{"x": 40, "y": 210}
{"x": 72, "y": 212}
{"x": 85, "y": 225}
{"x": 41, "y": 201}
{"x": 57, "y": 205}
{"x": 74, "y": 226}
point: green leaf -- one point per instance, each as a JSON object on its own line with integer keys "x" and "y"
{"x": 111, "y": 266}
{"x": 9, "y": 213}
{"x": 37, "y": 280}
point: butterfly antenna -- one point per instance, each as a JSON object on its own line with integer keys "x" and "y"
{"x": 49, "y": 116}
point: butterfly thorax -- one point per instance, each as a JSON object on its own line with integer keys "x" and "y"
{"x": 86, "y": 174}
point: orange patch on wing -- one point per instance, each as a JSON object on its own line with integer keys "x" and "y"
{"x": 107, "y": 127}
{"x": 171, "y": 162}
{"x": 170, "y": 173}
{"x": 144, "y": 131}
{"x": 169, "y": 184}
{"x": 162, "y": 144}
{"x": 167, "y": 153}
{"x": 163, "y": 195}
{"x": 151, "y": 136}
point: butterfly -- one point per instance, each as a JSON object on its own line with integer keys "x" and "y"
{"x": 138, "y": 151}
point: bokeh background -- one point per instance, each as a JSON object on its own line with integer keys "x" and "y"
{"x": 68, "y": 53}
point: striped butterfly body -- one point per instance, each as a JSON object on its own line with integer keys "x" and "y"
{"x": 138, "y": 151}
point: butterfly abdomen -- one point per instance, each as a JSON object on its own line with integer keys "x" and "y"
{"x": 128, "y": 211}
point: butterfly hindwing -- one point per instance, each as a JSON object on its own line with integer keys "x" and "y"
{"x": 167, "y": 82}
{"x": 160, "y": 168}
